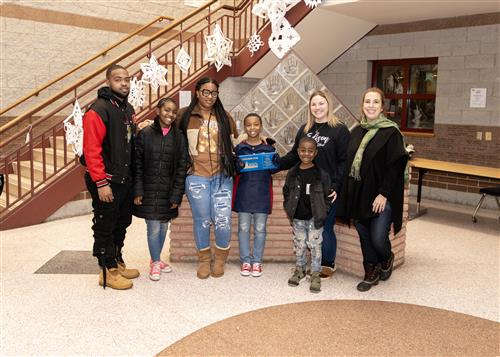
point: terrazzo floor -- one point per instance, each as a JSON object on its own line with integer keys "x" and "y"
{"x": 451, "y": 264}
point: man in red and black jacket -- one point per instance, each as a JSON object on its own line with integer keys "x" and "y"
{"x": 108, "y": 147}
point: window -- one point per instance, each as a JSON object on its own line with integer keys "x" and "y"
{"x": 410, "y": 91}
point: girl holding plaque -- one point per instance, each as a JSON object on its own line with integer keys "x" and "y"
{"x": 252, "y": 197}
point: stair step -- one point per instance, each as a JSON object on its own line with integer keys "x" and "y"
{"x": 3, "y": 201}
{"x": 49, "y": 155}
{"x": 59, "y": 142}
{"x": 37, "y": 170}
{"x": 14, "y": 184}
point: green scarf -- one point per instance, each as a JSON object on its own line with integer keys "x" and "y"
{"x": 372, "y": 127}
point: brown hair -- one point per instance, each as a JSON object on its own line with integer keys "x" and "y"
{"x": 332, "y": 119}
{"x": 376, "y": 90}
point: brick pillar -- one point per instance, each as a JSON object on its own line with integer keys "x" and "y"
{"x": 279, "y": 244}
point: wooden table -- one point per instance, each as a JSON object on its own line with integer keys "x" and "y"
{"x": 424, "y": 165}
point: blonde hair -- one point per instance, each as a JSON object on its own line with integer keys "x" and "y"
{"x": 332, "y": 119}
{"x": 376, "y": 90}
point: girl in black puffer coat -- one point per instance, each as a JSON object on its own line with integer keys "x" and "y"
{"x": 160, "y": 171}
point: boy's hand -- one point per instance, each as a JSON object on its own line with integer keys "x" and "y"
{"x": 105, "y": 194}
{"x": 138, "y": 200}
{"x": 333, "y": 196}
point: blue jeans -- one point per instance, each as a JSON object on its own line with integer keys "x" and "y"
{"x": 374, "y": 236}
{"x": 259, "y": 232}
{"x": 210, "y": 201}
{"x": 329, "y": 247}
{"x": 304, "y": 236}
{"x": 157, "y": 231}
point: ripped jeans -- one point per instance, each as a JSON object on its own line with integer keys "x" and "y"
{"x": 306, "y": 236}
{"x": 210, "y": 201}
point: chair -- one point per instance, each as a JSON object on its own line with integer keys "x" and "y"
{"x": 492, "y": 191}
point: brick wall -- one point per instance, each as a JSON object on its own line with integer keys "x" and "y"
{"x": 279, "y": 244}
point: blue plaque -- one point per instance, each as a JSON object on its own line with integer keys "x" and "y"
{"x": 258, "y": 162}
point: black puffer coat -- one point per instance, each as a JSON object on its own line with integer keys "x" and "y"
{"x": 160, "y": 171}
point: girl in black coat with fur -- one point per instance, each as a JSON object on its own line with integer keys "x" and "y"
{"x": 160, "y": 171}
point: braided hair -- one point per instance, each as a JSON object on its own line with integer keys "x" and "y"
{"x": 224, "y": 143}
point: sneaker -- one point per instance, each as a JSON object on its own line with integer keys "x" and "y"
{"x": 165, "y": 267}
{"x": 297, "y": 277}
{"x": 155, "y": 271}
{"x": 256, "y": 270}
{"x": 315, "y": 286}
{"x": 327, "y": 271}
{"x": 245, "y": 269}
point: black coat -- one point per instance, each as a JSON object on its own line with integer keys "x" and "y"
{"x": 320, "y": 189}
{"x": 160, "y": 172}
{"x": 382, "y": 172}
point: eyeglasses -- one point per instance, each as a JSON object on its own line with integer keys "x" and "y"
{"x": 207, "y": 93}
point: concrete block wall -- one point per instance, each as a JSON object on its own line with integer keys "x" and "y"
{"x": 35, "y": 49}
{"x": 468, "y": 57}
{"x": 279, "y": 243}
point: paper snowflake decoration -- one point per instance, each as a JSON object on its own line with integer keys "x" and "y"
{"x": 218, "y": 48}
{"x": 183, "y": 60}
{"x": 137, "y": 94}
{"x": 283, "y": 36}
{"x": 275, "y": 10}
{"x": 283, "y": 39}
{"x": 154, "y": 73}
{"x": 254, "y": 43}
{"x": 312, "y": 3}
{"x": 74, "y": 131}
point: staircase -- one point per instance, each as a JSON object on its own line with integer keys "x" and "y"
{"x": 41, "y": 171}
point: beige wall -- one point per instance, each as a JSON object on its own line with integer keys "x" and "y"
{"x": 33, "y": 52}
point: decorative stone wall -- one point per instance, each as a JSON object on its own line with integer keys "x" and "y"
{"x": 279, "y": 243}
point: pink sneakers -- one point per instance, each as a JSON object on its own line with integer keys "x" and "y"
{"x": 245, "y": 269}
{"x": 155, "y": 271}
{"x": 256, "y": 270}
{"x": 164, "y": 267}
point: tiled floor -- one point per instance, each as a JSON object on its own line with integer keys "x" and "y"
{"x": 451, "y": 263}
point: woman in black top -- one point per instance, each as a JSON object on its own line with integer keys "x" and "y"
{"x": 332, "y": 137}
{"x": 373, "y": 193}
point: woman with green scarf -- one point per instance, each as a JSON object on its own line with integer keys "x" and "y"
{"x": 372, "y": 194}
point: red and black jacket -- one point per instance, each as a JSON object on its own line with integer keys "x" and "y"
{"x": 108, "y": 139}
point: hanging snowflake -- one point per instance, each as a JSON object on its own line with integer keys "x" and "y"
{"x": 218, "y": 48}
{"x": 312, "y": 3}
{"x": 275, "y": 10}
{"x": 283, "y": 39}
{"x": 74, "y": 131}
{"x": 183, "y": 60}
{"x": 137, "y": 94}
{"x": 283, "y": 36}
{"x": 254, "y": 43}
{"x": 154, "y": 73}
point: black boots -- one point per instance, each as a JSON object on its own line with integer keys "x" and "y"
{"x": 386, "y": 268}
{"x": 372, "y": 276}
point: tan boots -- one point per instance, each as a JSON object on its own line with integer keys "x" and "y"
{"x": 126, "y": 272}
{"x": 114, "y": 280}
{"x": 220, "y": 261}
{"x": 204, "y": 260}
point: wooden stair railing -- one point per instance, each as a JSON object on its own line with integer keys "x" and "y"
{"x": 44, "y": 138}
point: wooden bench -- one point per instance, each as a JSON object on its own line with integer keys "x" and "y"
{"x": 424, "y": 165}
